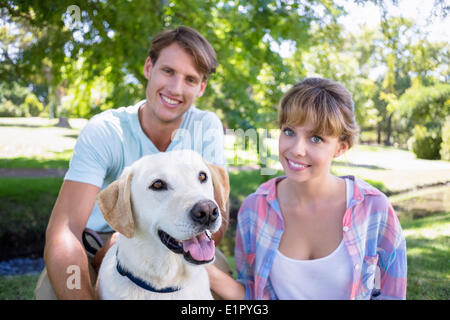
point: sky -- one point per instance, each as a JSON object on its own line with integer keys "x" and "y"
{"x": 369, "y": 15}
{"x": 418, "y": 10}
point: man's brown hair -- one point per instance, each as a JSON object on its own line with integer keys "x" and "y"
{"x": 190, "y": 40}
{"x": 325, "y": 103}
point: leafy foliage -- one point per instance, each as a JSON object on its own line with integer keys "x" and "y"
{"x": 445, "y": 146}
{"x": 18, "y": 101}
{"x": 110, "y": 43}
{"x": 425, "y": 144}
{"x": 424, "y": 105}
{"x": 79, "y": 63}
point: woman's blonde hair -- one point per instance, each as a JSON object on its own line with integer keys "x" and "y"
{"x": 325, "y": 103}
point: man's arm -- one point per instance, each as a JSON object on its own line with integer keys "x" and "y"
{"x": 63, "y": 247}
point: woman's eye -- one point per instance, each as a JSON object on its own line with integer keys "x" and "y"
{"x": 288, "y": 132}
{"x": 158, "y": 185}
{"x": 316, "y": 139}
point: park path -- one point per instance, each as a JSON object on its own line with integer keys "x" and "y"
{"x": 31, "y": 173}
{"x": 41, "y": 173}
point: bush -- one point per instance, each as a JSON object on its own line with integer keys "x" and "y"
{"x": 445, "y": 145}
{"x": 32, "y": 106}
{"x": 9, "y": 109}
{"x": 25, "y": 207}
{"x": 425, "y": 144}
{"x": 18, "y": 101}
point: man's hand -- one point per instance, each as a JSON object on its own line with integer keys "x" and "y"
{"x": 98, "y": 258}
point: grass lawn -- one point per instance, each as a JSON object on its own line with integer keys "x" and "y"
{"x": 36, "y": 138}
{"x": 59, "y": 160}
{"x": 428, "y": 251}
{"x": 18, "y": 287}
{"x": 427, "y": 240}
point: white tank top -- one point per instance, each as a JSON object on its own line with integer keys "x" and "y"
{"x": 327, "y": 278}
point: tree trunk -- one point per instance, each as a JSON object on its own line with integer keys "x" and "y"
{"x": 379, "y": 133}
{"x": 63, "y": 122}
{"x": 387, "y": 142}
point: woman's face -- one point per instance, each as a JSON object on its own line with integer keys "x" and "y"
{"x": 305, "y": 156}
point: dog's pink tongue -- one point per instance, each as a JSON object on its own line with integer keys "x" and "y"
{"x": 201, "y": 247}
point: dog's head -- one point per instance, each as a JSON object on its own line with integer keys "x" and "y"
{"x": 175, "y": 198}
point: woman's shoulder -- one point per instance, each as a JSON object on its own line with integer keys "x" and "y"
{"x": 363, "y": 189}
{"x": 266, "y": 189}
{"x": 261, "y": 197}
{"x": 368, "y": 202}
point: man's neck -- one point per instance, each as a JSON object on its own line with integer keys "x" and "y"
{"x": 160, "y": 133}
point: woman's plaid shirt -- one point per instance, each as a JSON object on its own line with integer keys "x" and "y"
{"x": 372, "y": 236}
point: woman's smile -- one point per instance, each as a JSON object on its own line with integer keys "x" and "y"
{"x": 296, "y": 166}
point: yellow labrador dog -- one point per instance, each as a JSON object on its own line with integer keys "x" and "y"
{"x": 165, "y": 206}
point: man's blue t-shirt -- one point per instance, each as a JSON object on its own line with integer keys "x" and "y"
{"x": 113, "y": 140}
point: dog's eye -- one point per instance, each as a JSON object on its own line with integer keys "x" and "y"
{"x": 202, "y": 177}
{"x": 158, "y": 185}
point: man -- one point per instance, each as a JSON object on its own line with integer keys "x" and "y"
{"x": 177, "y": 70}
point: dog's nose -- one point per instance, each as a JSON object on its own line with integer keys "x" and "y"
{"x": 205, "y": 212}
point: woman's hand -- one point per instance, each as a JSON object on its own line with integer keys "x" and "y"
{"x": 224, "y": 285}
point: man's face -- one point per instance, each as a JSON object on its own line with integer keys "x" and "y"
{"x": 173, "y": 84}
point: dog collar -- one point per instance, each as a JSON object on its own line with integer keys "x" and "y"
{"x": 141, "y": 283}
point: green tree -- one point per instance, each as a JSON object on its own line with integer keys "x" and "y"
{"x": 427, "y": 106}
{"x": 411, "y": 62}
{"x": 445, "y": 146}
{"x": 112, "y": 38}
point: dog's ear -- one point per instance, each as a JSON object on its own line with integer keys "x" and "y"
{"x": 221, "y": 185}
{"x": 115, "y": 203}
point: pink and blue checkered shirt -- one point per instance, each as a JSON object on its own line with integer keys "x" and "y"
{"x": 372, "y": 236}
